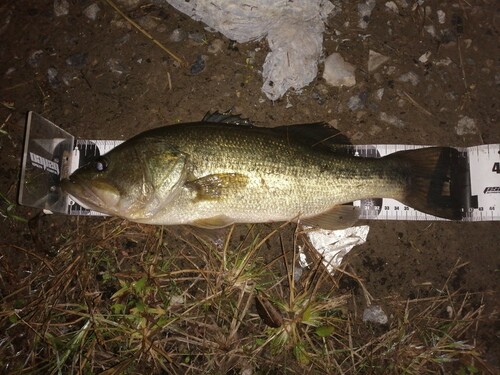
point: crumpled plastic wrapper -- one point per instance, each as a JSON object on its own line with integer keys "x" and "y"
{"x": 333, "y": 245}
{"x": 294, "y": 30}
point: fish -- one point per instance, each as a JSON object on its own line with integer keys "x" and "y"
{"x": 224, "y": 170}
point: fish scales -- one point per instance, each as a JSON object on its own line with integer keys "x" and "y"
{"x": 285, "y": 179}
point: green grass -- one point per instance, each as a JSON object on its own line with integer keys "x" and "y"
{"x": 120, "y": 298}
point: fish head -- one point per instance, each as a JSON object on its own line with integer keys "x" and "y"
{"x": 135, "y": 180}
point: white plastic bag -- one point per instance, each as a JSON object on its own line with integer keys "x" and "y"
{"x": 294, "y": 30}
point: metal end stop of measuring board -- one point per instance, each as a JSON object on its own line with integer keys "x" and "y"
{"x": 46, "y": 154}
{"x": 51, "y": 154}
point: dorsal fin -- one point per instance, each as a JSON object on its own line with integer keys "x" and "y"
{"x": 317, "y": 135}
{"x": 226, "y": 118}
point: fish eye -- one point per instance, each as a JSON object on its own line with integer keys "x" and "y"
{"x": 101, "y": 164}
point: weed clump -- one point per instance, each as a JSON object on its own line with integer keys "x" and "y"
{"x": 127, "y": 299}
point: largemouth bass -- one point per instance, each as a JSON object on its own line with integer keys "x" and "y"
{"x": 224, "y": 170}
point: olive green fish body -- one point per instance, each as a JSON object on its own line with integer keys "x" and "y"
{"x": 214, "y": 174}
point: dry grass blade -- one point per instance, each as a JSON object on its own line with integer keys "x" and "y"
{"x": 180, "y": 60}
{"x": 140, "y": 299}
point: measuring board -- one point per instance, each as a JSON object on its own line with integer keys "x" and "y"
{"x": 50, "y": 154}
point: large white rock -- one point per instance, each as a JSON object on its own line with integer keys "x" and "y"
{"x": 339, "y": 72}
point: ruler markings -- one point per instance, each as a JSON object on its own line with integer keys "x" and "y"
{"x": 479, "y": 158}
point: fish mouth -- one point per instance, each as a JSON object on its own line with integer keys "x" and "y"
{"x": 86, "y": 194}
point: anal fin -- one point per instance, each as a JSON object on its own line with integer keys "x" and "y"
{"x": 338, "y": 217}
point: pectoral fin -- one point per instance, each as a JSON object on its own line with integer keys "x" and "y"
{"x": 216, "y": 186}
{"x": 338, "y": 217}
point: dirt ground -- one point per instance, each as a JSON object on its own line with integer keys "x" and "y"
{"x": 101, "y": 79}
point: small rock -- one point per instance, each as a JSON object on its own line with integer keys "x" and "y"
{"x": 375, "y": 314}
{"x": 365, "y": 11}
{"x": 441, "y": 16}
{"x": 444, "y": 62}
{"x": 425, "y": 57}
{"x": 61, "y": 8}
{"x": 233, "y": 46}
{"x": 375, "y": 60}
{"x": 116, "y": 66}
{"x": 374, "y": 130}
{"x": 430, "y": 30}
{"x": 121, "y": 23}
{"x": 391, "y": 5}
{"x": 297, "y": 273}
{"x": 379, "y": 94}
{"x": 9, "y": 71}
{"x": 77, "y": 60}
{"x": 356, "y": 136}
{"x": 448, "y": 38}
{"x": 216, "y": 46}
{"x": 391, "y": 120}
{"x": 148, "y": 22}
{"x": 178, "y": 35}
{"x": 450, "y": 311}
{"x": 7, "y": 17}
{"x": 196, "y": 37}
{"x": 409, "y": 77}
{"x": 357, "y": 102}
{"x": 466, "y": 125}
{"x": 218, "y": 77}
{"x": 354, "y": 103}
{"x": 52, "y": 76}
{"x": 391, "y": 70}
{"x": 318, "y": 97}
{"x": 198, "y": 66}
{"x": 338, "y": 72}
{"x": 322, "y": 89}
{"x": 69, "y": 77}
{"x": 177, "y": 300}
{"x": 250, "y": 60}
{"x": 129, "y": 4}
{"x": 91, "y": 11}
{"x": 35, "y": 57}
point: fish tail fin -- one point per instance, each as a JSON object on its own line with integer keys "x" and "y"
{"x": 437, "y": 180}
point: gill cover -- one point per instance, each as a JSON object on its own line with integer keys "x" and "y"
{"x": 134, "y": 180}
